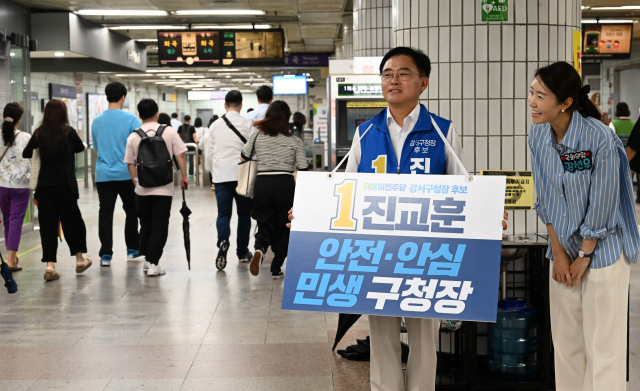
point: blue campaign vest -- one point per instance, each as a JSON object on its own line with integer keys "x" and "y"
{"x": 423, "y": 151}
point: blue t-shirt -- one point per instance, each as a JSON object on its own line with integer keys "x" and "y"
{"x": 110, "y": 131}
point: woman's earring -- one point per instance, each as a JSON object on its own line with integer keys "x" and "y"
{"x": 563, "y": 110}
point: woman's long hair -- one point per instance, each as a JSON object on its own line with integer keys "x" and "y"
{"x": 52, "y": 133}
{"x": 11, "y": 115}
{"x": 564, "y": 82}
{"x": 276, "y": 120}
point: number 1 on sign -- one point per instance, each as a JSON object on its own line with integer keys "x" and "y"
{"x": 346, "y": 197}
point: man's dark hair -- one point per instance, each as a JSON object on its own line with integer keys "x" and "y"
{"x": 187, "y": 118}
{"x": 264, "y": 94}
{"x": 147, "y": 108}
{"x": 250, "y": 109}
{"x": 174, "y": 115}
{"x": 419, "y": 58}
{"x": 115, "y": 91}
{"x": 233, "y": 98}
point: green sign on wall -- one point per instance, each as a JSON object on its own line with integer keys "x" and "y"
{"x": 495, "y": 10}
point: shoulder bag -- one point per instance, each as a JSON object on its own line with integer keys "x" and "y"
{"x": 35, "y": 170}
{"x": 247, "y": 173}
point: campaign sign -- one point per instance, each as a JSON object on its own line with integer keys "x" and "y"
{"x": 421, "y": 246}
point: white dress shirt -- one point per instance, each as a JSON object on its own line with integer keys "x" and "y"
{"x": 259, "y": 113}
{"x": 398, "y": 135}
{"x": 175, "y": 124}
{"x": 223, "y": 147}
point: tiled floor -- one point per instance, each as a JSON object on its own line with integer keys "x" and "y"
{"x": 115, "y": 329}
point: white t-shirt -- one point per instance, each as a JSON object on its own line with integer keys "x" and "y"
{"x": 15, "y": 171}
{"x": 259, "y": 113}
{"x": 223, "y": 147}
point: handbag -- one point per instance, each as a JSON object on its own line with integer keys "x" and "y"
{"x": 35, "y": 170}
{"x": 247, "y": 173}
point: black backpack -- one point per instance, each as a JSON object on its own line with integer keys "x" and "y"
{"x": 154, "y": 161}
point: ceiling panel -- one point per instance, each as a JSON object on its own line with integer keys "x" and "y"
{"x": 318, "y": 30}
{"x": 320, "y": 5}
{"x": 321, "y": 17}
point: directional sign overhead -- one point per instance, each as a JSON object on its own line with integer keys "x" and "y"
{"x": 207, "y": 48}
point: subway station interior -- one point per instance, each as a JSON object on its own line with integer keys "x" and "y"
{"x": 205, "y": 327}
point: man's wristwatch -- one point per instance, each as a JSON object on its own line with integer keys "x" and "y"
{"x": 583, "y": 255}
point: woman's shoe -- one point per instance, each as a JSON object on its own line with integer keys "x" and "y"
{"x": 256, "y": 262}
{"x": 85, "y": 264}
{"x": 51, "y": 274}
{"x": 277, "y": 275}
{"x": 16, "y": 268}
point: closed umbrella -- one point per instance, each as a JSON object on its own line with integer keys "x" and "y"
{"x": 185, "y": 212}
{"x": 345, "y": 321}
{"x": 9, "y": 282}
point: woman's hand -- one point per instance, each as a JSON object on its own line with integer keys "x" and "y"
{"x": 577, "y": 269}
{"x": 290, "y": 217}
{"x": 505, "y": 217}
{"x": 561, "y": 268}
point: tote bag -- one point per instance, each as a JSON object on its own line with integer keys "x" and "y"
{"x": 35, "y": 170}
{"x": 247, "y": 173}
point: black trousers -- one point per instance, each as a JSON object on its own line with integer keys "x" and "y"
{"x": 154, "y": 213}
{"x": 108, "y": 193}
{"x": 59, "y": 204}
{"x": 272, "y": 199}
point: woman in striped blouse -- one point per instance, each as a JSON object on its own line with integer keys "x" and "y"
{"x": 277, "y": 152}
{"x": 585, "y": 198}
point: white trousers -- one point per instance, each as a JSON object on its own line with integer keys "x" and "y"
{"x": 386, "y": 364}
{"x": 589, "y": 329}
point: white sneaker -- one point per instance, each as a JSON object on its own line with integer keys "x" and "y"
{"x": 146, "y": 266}
{"x": 155, "y": 270}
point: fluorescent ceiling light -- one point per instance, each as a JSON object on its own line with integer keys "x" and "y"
{"x": 602, "y": 21}
{"x": 122, "y": 13}
{"x": 148, "y": 27}
{"x": 58, "y": 54}
{"x": 223, "y": 70}
{"x": 147, "y": 40}
{"x": 220, "y": 12}
{"x": 234, "y": 27}
{"x": 12, "y": 54}
{"x": 622, "y": 7}
{"x": 164, "y": 70}
{"x": 186, "y": 77}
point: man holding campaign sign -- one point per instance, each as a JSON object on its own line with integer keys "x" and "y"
{"x": 420, "y": 247}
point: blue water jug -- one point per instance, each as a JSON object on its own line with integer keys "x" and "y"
{"x": 513, "y": 341}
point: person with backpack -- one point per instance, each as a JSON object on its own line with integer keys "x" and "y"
{"x": 149, "y": 157}
{"x": 14, "y": 180}
{"x": 110, "y": 131}
{"x": 189, "y": 135}
{"x": 224, "y": 141}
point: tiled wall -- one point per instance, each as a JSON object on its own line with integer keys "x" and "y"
{"x": 481, "y": 73}
{"x": 372, "y": 32}
{"x": 347, "y": 36}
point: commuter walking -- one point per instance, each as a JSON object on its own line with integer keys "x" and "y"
{"x": 187, "y": 133}
{"x": 110, "y": 131}
{"x": 225, "y": 140}
{"x": 265, "y": 96}
{"x": 57, "y": 190}
{"x": 148, "y": 155}
{"x": 623, "y": 125}
{"x": 632, "y": 148}
{"x": 297, "y": 126}
{"x": 199, "y": 129}
{"x": 15, "y": 172}
{"x": 277, "y": 152}
{"x": 585, "y": 198}
{"x": 175, "y": 122}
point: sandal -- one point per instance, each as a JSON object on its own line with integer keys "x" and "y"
{"x": 85, "y": 264}
{"x": 16, "y": 268}
{"x": 51, "y": 274}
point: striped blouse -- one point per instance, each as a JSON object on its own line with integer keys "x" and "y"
{"x": 584, "y": 189}
{"x": 275, "y": 154}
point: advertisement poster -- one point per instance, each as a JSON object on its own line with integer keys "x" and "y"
{"x": 607, "y": 40}
{"x": 422, "y": 246}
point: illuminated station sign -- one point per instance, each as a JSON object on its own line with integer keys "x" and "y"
{"x": 207, "y": 48}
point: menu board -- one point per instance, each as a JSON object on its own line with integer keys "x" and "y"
{"x": 207, "y": 48}
{"x": 607, "y": 40}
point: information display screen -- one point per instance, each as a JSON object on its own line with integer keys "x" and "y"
{"x": 607, "y": 40}
{"x": 207, "y": 48}
{"x": 351, "y": 114}
{"x": 289, "y": 85}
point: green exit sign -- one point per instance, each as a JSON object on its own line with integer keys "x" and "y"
{"x": 228, "y": 35}
{"x": 495, "y": 10}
